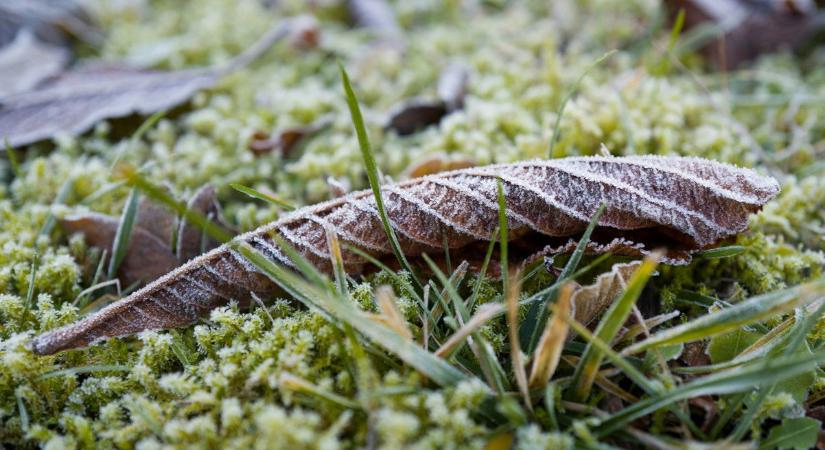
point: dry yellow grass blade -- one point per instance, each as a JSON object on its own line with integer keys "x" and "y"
{"x": 552, "y": 340}
{"x": 513, "y": 291}
{"x": 485, "y": 313}
{"x": 390, "y": 314}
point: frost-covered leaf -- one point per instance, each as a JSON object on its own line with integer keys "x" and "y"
{"x": 149, "y": 253}
{"x": 681, "y": 204}
{"x": 73, "y": 102}
{"x": 77, "y": 99}
{"x": 26, "y": 62}
{"x": 799, "y": 434}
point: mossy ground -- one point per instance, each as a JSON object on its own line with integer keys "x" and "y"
{"x": 222, "y": 383}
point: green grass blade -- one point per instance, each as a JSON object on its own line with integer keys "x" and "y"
{"x": 346, "y": 312}
{"x": 261, "y": 196}
{"x": 765, "y": 373}
{"x": 608, "y": 327}
{"x": 372, "y": 171}
{"x": 135, "y": 180}
{"x": 124, "y": 232}
{"x": 536, "y": 318}
{"x": 729, "y": 319}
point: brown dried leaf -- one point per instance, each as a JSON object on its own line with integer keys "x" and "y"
{"x": 147, "y": 257}
{"x": 589, "y": 301}
{"x": 191, "y": 239}
{"x": 286, "y": 140}
{"x": 749, "y": 28}
{"x": 684, "y": 204}
{"x": 436, "y": 164}
{"x": 26, "y": 62}
{"x": 417, "y": 114}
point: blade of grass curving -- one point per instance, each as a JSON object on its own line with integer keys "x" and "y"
{"x": 254, "y": 193}
{"x": 568, "y": 97}
{"x": 722, "y": 252}
{"x": 609, "y": 326}
{"x": 516, "y": 359}
{"x": 765, "y": 373}
{"x": 752, "y": 310}
{"x": 137, "y": 135}
{"x": 550, "y": 405}
{"x": 649, "y": 386}
{"x": 536, "y": 318}
{"x": 93, "y": 368}
{"x": 481, "y": 317}
{"x": 123, "y": 235}
{"x": 372, "y": 172}
{"x": 346, "y": 312}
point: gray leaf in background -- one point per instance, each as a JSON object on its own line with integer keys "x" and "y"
{"x": 26, "y": 62}
{"x": 73, "y": 102}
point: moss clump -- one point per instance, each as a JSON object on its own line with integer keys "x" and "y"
{"x": 276, "y": 378}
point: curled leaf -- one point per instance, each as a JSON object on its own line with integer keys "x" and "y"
{"x": 589, "y": 301}
{"x": 681, "y": 204}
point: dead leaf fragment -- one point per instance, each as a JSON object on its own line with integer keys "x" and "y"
{"x": 589, "y": 301}
{"x": 191, "y": 239}
{"x": 26, "y": 62}
{"x": 146, "y": 258}
{"x": 438, "y": 163}
{"x": 748, "y": 29}
{"x": 417, "y": 114}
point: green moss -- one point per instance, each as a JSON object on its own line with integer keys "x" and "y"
{"x": 220, "y": 383}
